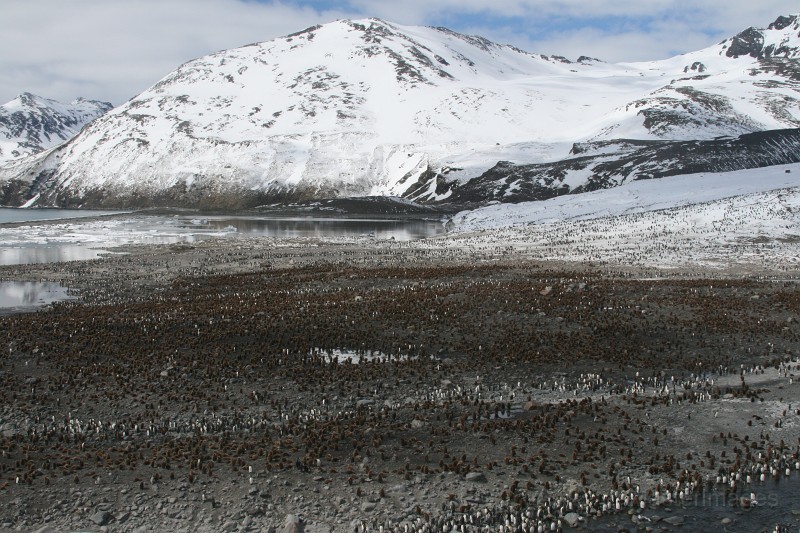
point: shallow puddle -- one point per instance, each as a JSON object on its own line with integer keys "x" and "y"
{"x": 22, "y": 296}
{"x": 29, "y": 255}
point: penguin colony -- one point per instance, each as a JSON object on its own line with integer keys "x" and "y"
{"x": 539, "y": 396}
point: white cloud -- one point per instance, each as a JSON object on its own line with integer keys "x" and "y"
{"x": 114, "y": 49}
{"x": 713, "y": 13}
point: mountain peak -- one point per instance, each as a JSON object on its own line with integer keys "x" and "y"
{"x": 780, "y": 39}
{"x": 30, "y": 124}
{"x": 783, "y": 22}
{"x": 27, "y": 99}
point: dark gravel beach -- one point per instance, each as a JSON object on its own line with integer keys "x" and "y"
{"x": 247, "y": 385}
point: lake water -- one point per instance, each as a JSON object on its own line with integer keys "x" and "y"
{"x": 313, "y": 227}
{"x": 10, "y": 214}
{"x": 71, "y": 239}
{"x": 55, "y": 253}
{"x": 67, "y": 238}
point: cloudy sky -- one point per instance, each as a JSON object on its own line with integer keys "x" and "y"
{"x": 113, "y": 49}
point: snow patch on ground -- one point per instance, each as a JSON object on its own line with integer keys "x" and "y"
{"x": 633, "y": 197}
{"x": 746, "y": 218}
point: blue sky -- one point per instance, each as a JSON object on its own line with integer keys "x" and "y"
{"x": 113, "y": 49}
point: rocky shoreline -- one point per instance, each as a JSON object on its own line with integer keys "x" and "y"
{"x": 256, "y": 385}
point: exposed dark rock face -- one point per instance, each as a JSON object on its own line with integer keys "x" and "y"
{"x": 697, "y": 66}
{"x": 750, "y": 42}
{"x": 783, "y": 22}
{"x": 611, "y": 163}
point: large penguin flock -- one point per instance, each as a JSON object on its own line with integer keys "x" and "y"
{"x": 413, "y": 389}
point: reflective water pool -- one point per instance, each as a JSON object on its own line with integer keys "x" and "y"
{"x": 70, "y": 240}
{"x": 11, "y": 214}
{"x": 401, "y": 230}
{"x": 27, "y": 255}
{"x": 17, "y": 296}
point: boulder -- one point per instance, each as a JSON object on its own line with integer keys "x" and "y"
{"x": 676, "y": 520}
{"x": 101, "y": 518}
{"x": 572, "y": 519}
{"x": 477, "y": 477}
{"x": 293, "y": 524}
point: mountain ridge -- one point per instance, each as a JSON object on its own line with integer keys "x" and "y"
{"x": 360, "y": 108}
{"x": 30, "y": 124}
{"x": 606, "y": 164}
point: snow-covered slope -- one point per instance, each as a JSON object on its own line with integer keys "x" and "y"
{"x": 367, "y": 107}
{"x": 636, "y": 197}
{"x": 604, "y": 164}
{"x": 747, "y": 220}
{"x": 30, "y": 124}
{"x": 746, "y": 83}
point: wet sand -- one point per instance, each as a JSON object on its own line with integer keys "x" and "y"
{"x": 201, "y": 387}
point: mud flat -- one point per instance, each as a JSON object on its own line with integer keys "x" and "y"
{"x": 438, "y": 385}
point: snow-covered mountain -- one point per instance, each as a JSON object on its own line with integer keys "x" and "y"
{"x": 30, "y": 124}
{"x": 356, "y": 108}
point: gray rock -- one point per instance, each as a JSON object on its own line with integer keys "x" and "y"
{"x": 477, "y": 477}
{"x": 101, "y": 518}
{"x": 572, "y": 519}
{"x": 293, "y": 524}
{"x": 368, "y": 507}
{"x": 230, "y": 526}
{"x": 676, "y": 520}
{"x": 726, "y": 521}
